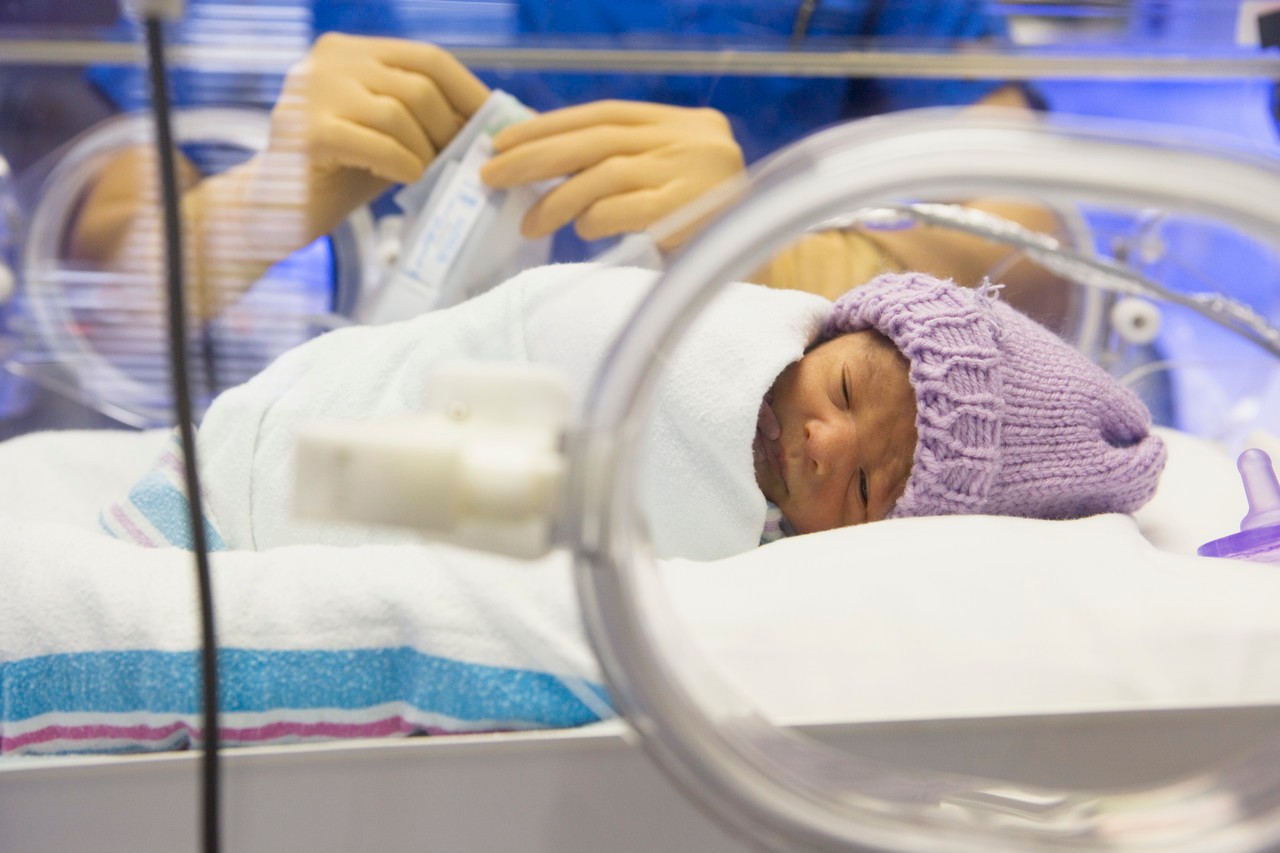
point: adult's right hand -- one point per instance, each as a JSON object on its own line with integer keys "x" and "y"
{"x": 355, "y": 116}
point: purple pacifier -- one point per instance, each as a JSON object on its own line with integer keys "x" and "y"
{"x": 1259, "y": 536}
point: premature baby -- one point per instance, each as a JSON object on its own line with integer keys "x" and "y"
{"x": 909, "y": 396}
{"x": 924, "y": 398}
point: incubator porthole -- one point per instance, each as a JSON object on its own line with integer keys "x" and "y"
{"x": 96, "y": 335}
{"x": 779, "y": 783}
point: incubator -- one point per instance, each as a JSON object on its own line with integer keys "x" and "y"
{"x": 917, "y": 684}
{"x": 693, "y": 715}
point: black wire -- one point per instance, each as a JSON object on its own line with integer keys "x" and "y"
{"x": 183, "y": 409}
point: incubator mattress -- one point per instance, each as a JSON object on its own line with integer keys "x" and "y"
{"x": 910, "y": 619}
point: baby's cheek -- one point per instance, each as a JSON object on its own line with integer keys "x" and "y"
{"x": 802, "y": 517}
{"x": 824, "y": 509}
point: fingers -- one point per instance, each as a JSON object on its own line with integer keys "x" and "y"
{"x": 624, "y": 213}
{"x": 422, "y": 100}
{"x": 568, "y": 153}
{"x": 627, "y": 164}
{"x": 385, "y": 116}
{"x": 463, "y": 90}
{"x": 571, "y": 199}
{"x": 350, "y": 144}
{"x": 571, "y": 139}
{"x": 415, "y": 95}
{"x": 639, "y": 210}
{"x": 594, "y": 114}
{"x": 606, "y": 201}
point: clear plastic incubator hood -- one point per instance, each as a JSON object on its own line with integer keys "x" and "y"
{"x": 792, "y": 790}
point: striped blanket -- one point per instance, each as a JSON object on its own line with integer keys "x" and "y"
{"x": 156, "y": 512}
{"x": 98, "y": 649}
{"x": 328, "y": 630}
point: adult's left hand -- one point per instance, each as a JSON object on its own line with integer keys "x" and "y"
{"x": 627, "y": 163}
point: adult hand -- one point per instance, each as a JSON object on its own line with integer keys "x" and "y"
{"x": 628, "y": 164}
{"x": 357, "y": 115}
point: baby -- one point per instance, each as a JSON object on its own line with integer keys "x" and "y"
{"x": 924, "y": 398}
{"x": 919, "y": 397}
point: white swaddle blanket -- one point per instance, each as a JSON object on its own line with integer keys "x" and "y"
{"x": 334, "y": 631}
{"x": 697, "y": 483}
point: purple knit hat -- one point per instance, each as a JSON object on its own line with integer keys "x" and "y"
{"x": 1010, "y": 420}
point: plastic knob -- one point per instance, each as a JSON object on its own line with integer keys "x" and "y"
{"x": 1136, "y": 320}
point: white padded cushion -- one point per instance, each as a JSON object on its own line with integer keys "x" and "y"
{"x": 968, "y": 616}
{"x": 1200, "y": 496}
{"x": 907, "y": 619}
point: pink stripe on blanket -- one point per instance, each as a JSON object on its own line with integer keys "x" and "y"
{"x": 143, "y": 737}
{"x": 121, "y": 515}
{"x": 339, "y": 731}
{"x": 136, "y": 734}
{"x": 172, "y": 459}
{"x": 276, "y": 731}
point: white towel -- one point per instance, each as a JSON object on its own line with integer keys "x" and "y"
{"x": 98, "y": 640}
{"x": 68, "y": 475}
{"x": 697, "y": 486}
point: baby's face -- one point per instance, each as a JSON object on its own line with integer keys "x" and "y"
{"x": 837, "y": 434}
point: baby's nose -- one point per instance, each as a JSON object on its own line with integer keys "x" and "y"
{"x": 826, "y": 443}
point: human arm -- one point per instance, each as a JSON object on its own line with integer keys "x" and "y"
{"x": 355, "y": 116}
{"x": 830, "y": 262}
{"x": 628, "y": 164}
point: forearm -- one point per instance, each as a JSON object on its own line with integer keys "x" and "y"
{"x": 968, "y": 259}
{"x": 827, "y": 263}
{"x": 234, "y": 231}
{"x": 231, "y": 235}
{"x": 831, "y": 262}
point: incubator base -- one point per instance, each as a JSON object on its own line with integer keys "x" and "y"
{"x": 554, "y": 791}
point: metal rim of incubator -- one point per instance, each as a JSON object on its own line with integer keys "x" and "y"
{"x": 128, "y": 399}
{"x": 776, "y": 786}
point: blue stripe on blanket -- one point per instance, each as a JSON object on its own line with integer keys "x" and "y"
{"x": 156, "y": 512}
{"x": 254, "y": 680}
{"x": 168, "y": 510}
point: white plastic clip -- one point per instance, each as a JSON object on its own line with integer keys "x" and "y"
{"x": 482, "y": 466}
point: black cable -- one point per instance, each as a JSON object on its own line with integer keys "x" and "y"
{"x": 183, "y": 410}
